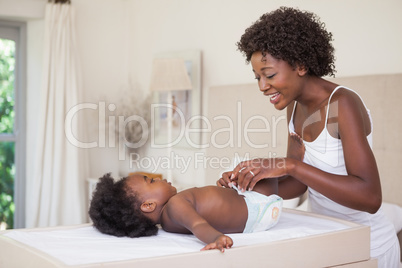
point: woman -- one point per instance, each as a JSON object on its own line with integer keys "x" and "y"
{"x": 290, "y": 51}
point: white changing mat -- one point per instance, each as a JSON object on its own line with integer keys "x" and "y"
{"x": 85, "y": 245}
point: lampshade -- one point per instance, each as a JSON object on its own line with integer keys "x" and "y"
{"x": 169, "y": 74}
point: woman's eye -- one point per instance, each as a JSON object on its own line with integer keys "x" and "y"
{"x": 152, "y": 180}
{"x": 271, "y": 76}
{"x": 257, "y": 78}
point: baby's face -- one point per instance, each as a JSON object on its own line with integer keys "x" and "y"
{"x": 154, "y": 189}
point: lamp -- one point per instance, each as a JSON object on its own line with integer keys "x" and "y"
{"x": 169, "y": 74}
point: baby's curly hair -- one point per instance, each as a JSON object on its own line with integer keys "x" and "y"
{"x": 115, "y": 210}
{"x": 297, "y": 37}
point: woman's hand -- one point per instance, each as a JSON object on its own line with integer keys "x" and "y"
{"x": 248, "y": 173}
{"x": 225, "y": 180}
{"x": 220, "y": 243}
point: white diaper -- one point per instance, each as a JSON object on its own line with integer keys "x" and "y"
{"x": 263, "y": 211}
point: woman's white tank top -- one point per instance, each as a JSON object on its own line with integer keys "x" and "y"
{"x": 326, "y": 153}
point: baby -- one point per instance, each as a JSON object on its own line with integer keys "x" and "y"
{"x": 134, "y": 205}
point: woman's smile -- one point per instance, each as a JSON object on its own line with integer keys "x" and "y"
{"x": 274, "y": 97}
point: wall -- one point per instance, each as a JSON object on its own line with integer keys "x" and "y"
{"x": 363, "y": 31}
{"x": 117, "y": 40}
{"x": 22, "y": 9}
{"x": 102, "y": 34}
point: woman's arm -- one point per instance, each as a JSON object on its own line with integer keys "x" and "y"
{"x": 289, "y": 187}
{"x": 360, "y": 189}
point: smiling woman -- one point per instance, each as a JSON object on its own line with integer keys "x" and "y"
{"x": 290, "y": 52}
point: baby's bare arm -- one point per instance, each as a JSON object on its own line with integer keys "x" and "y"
{"x": 182, "y": 212}
{"x": 220, "y": 243}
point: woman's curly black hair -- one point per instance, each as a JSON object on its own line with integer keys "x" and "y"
{"x": 297, "y": 37}
{"x": 115, "y": 210}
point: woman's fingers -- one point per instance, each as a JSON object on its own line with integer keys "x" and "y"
{"x": 254, "y": 181}
{"x": 225, "y": 180}
{"x": 246, "y": 176}
{"x": 236, "y": 170}
{"x": 248, "y": 173}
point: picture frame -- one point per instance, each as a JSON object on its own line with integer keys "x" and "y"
{"x": 187, "y": 106}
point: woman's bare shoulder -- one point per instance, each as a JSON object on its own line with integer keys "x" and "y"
{"x": 348, "y": 107}
{"x": 346, "y": 97}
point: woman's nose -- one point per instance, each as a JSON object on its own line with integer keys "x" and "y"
{"x": 263, "y": 85}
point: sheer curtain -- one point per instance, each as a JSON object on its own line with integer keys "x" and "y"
{"x": 55, "y": 194}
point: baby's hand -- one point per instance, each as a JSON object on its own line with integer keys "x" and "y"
{"x": 220, "y": 243}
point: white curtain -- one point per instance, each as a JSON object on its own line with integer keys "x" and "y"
{"x": 55, "y": 194}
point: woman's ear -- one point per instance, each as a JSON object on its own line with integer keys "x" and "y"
{"x": 148, "y": 206}
{"x": 301, "y": 70}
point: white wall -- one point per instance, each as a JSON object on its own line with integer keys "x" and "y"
{"x": 365, "y": 32}
{"x": 117, "y": 40}
{"x": 102, "y": 34}
{"x": 22, "y": 9}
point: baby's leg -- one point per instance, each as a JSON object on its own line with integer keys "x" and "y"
{"x": 296, "y": 147}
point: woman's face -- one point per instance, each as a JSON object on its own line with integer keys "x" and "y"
{"x": 276, "y": 79}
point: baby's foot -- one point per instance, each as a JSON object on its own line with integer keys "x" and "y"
{"x": 296, "y": 147}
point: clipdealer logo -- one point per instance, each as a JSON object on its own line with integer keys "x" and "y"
{"x": 235, "y": 132}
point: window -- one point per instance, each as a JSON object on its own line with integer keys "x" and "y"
{"x": 12, "y": 124}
